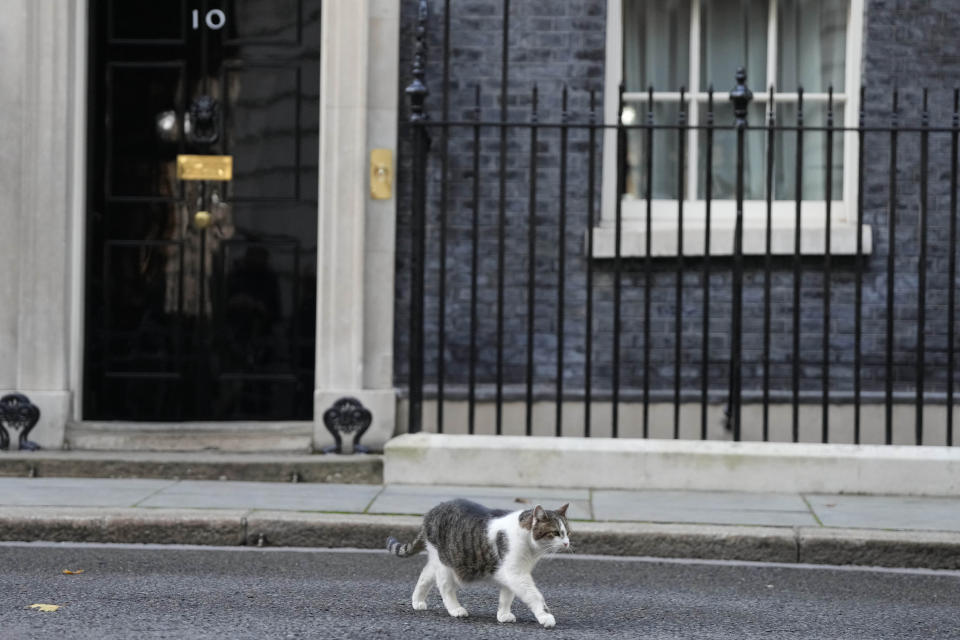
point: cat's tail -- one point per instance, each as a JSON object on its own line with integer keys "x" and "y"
{"x": 397, "y": 548}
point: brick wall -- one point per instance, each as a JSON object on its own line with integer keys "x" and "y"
{"x": 909, "y": 45}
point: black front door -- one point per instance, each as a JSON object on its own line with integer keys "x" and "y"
{"x": 201, "y": 295}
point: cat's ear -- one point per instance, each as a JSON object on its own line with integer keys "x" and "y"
{"x": 563, "y": 510}
{"x": 539, "y": 513}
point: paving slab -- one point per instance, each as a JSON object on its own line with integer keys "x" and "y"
{"x": 714, "y": 507}
{"x": 894, "y": 531}
{"x": 887, "y": 512}
{"x": 211, "y": 494}
{"x": 418, "y": 499}
{"x": 68, "y": 492}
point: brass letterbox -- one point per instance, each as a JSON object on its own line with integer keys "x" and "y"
{"x": 204, "y": 167}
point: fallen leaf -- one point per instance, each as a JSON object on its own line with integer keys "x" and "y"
{"x": 74, "y": 572}
{"x": 45, "y": 607}
{"x": 521, "y": 500}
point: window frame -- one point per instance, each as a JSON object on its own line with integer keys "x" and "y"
{"x": 664, "y": 225}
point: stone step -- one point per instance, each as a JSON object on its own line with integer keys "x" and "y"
{"x": 188, "y": 465}
{"x": 237, "y": 437}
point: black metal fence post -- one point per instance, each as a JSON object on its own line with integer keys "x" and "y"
{"x": 767, "y": 265}
{"x": 952, "y": 262}
{"x": 417, "y": 94}
{"x": 797, "y": 270}
{"x": 708, "y": 228}
{"x": 647, "y": 263}
{"x": 617, "y": 264}
{"x": 922, "y": 271}
{"x": 825, "y": 335}
{"x": 531, "y": 257}
{"x": 444, "y": 187}
{"x": 561, "y": 259}
{"x": 858, "y": 283}
{"x": 474, "y": 263}
{"x": 740, "y": 96}
{"x": 678, "y": 295}
{"x": 891, "y": 261}
{"x": 588, "y": 351}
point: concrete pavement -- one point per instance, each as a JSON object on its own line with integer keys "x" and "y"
{"x": 817, "y": 528}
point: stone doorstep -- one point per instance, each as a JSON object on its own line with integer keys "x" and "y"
{"x": 326, "y": 468}
{"x": 811, "y": 545}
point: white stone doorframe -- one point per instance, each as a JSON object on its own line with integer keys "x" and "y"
{"x": 355, "y": 252}
{"x": 42, "y": 193}
{"x": 43, "y": 96}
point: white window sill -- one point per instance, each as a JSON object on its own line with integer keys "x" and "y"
{"x": 663, "y": 243}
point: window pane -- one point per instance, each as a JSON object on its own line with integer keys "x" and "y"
{"x": 665, "y": 156}
{"x": 814, "y": 153}
{"x": 725, "y": 153}
{"x": 656, "y": 44}
{"x": 813, "y": 39}
{"x": 732, "y": 35}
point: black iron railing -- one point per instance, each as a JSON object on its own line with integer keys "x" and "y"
{"x": 493, "y": 191}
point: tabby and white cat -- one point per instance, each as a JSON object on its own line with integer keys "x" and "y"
{"x": 466, "y": 541}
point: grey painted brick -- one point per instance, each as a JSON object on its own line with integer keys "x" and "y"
{"x": 908, "y": 44}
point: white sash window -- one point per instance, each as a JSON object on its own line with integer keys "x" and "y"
{"x": 674, "y": 44}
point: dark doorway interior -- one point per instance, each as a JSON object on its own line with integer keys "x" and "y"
{"x": 209, "y": 316}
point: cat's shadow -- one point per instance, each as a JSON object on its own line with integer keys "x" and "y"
{"x": 478, "y": 616}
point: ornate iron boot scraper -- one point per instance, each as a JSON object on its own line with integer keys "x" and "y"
{"x": 347, "y": 416}
{"x": 17, "y": 412}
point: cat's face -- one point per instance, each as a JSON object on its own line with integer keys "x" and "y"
{"x": 549, "y": 529}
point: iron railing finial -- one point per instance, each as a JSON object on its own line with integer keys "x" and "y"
{"x": 741, "y": 96}
{"x": 417, "y": 91}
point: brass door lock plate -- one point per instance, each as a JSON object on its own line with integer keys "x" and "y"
{"x": 381, "y": 174}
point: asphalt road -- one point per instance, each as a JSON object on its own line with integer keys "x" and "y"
{"x": 129, "y": 591}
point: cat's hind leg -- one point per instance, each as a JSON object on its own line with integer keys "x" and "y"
{"x": 503, "y": 611}
{"x": 447, "y": 585}
{"x": 427, "y": 577}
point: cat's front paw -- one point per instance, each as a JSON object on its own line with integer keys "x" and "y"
{"x": 419, "y": 605}
{"x": 506, "y": 617}
{"x": 459, "y": 612}
{"x": 547, "y": 620}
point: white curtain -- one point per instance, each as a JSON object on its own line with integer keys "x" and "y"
{"x": 656, "y": 52}
{"x": 656, "y": 44}
{"x": 733, "y": 34}
{"x": 812, "y": 46}
{"x": 811, "y": 42}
